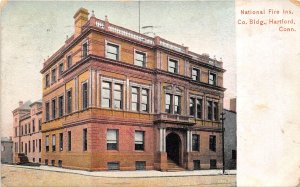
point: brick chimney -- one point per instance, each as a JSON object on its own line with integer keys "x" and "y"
{"x": 80, "y": 18}
{"x": 20, "y": 103}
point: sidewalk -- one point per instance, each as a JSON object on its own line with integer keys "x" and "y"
{"x": 129, "y": 174}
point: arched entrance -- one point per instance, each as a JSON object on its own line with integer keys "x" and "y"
{"x": 173, "y": 147}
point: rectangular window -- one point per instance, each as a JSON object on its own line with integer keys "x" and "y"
{"x": 69, "y": 101}
{"x": 47, "y": 143}
{"x": 177, "y": 101}
{"x": 106, "y": 94}
{"x": 212, "y": 79}
{"x": 61, "y": 141}
{"x": 216, "y": 111}
{"x": 61, "y": 69}
{"x": 59, "y": 163}
{"x": 139, "y": 140}
{"x": 196, "y": 164}
{"x": 135, "y": 99}
{"x": 33, "y": 145}
{"x": 29, "y": 128}
{"x": 53, "y": 142}
{"x": 168, "y": 104}
{"x": 195, "y": 74}
{"x": 192, "y": 106}
{"x": 40, "y": 160}
{"x": 195, "y": 142}
{"x": 140, "y": 59}
{"x": 69, "y": 61}
{"x": 212, "y": 143}
{"x": 113, "y": 166}
{"x": 40, "y": 145}
{"x": 22, "y": 132}
{"x": 33, "y": 125}
{"x": 84, "y": 139}
{"x": 29, "y": 146}
{"x": 140, "y": 165}
{"x": 213, "y": 164}
{"x": 84, "y": 95}
{"x": 16, "y": 147}
{"x": 112, "y": 139}
{"x": 16, "y": 132}
{"x": 47, "y": 80}
{"x": 173, "y": 66}
{"x": 25, "y": 128}
{"x": 53, "y": 105}
{"x": 69, "y": 141}
{"x": 209, "y": 110}
{"x": 112, "y": 51}
{"x": 145, "y": 100}
{"x": 61, "y": 106}
{"x": 53, "y": 75}
{"x": 53, "y": 162}
{"x": 40, "y": 124}
{"x": 46, "y": 162}
{"x": 118, "y": 94}
{"x": 199, "y": 108}
{"x": 84, "y": 49}
{"x": 233, "y": 154}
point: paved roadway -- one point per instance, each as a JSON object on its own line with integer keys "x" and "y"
{"x": 17, "y": 176}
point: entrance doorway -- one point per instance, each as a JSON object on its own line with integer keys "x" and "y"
{"x": 173, "y": 147}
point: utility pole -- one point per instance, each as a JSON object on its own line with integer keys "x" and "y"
{"x": 139, "y": 16}
{"x": 223, "y": 151}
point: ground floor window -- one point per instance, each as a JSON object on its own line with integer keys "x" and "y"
{"x": 52, "y": 162}
{"x": 213, "y": 164}
{"x": 196, "y": 164}
{"x": 40, "y": 160}
{"x": 46, "y": 162}
{"x": 59, "y": 163}
{"x": 113, "y": 166}
{"x": 33, "y": 160}
{"x": 140, "y": 165}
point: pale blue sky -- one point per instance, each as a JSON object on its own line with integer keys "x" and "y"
{"x": 31, "y": 31}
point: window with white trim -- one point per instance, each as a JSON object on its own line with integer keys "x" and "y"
{"x": 85, "y": 95}
{"x": 212, "y": 78}
{"x": 106, "y": 94}
{"x": 195, "y": 74}
{"x": 112, "y": 139}
{"x": 139, "y": 140}
{"x": 112, "y": 51}
{"x": 173, "y": 66}
{"x": 85, "y": 49}
{"x": 118, "y": 95}
{"x": 140, "y": 59}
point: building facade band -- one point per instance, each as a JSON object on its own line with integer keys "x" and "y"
{"x": 117, "y": 99}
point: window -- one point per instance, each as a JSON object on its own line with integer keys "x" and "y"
{"x": 195, "y": 74}
{"x": 53, "y": 75}
{"x": 106, "y": 94}
{"x": 168, "y": 104}
{"x": 209, "y": 110}
{"x": 84, "y": 139}
{"x": 212, "y": 143}
{"x": 112, "y": 139}
{"x": 47, "y": 143}
{"x": 140, "y": 59}
{"x": 69, "y": 61}
{"x": 47, "y": 81}
{"x": 53, "y": 105}
{"x": 212, "y": 79}
{"x": 16, "y": 132}
{"x": 192, "y": 106}
{"x": 22, "y": 130}
{"x": 33, "y": 159}
{"x": 177, "y": 104}
{"x": 29, "y": 128}
{"x": 33, "y": 125}
{"x": 59, "y": 163}
{"x": 84, "y": 95}
{"x": 84, "y": 49}
{"x": 47, "y": 111}
{"x": 25, "y": 128}
{"x": 29, "y": 146}
{"x": 53, "y": 162}
{"x": 61, "y": 140}
{"x": 40, "y": 160}
{"x": 233, "y": 154}
{"x": 216, "y": 111}
{"x": 173, "y": 66}
{"x": 118, "y": 96}
{"x": 113, "y": 165}
{"x": 40, "y": 145}
{"x": 33, "y": 145}
{"x": 53, "y": 142}
{"x": 22, "y": 147}
{"x": 196, "y": 164}
{"x": 112, "y": 51}
{"x": 40, "y": 124}
{"x": 213, "y": 164}
{"x": 69, "y": 101}
{"x": 46, "y": 162}
{"x": 69, "y": 141}
{"x": 195, "y": 142}
{"x": 135, "y": 99}
{"x": 61, "y": 106}
{"x": 140, "y": 165}
{"x": 61, "y": 69}
{"x": 139, "y": 140}
{"x": 145, "y": 100}
{"x": 199, "y": 108}
{"x": 16, "y": 147}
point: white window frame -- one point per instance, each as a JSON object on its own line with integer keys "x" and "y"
{"x": 112, "y": 82}
{"x": 140, "y": 87}
{"x": 119, "y": 50}
{"x": 87, "y": 48}
{"x": 88, "y": 92}
{"x": 194, "y": 67}
{"x": 174, "y": 59}
{"x": 213, "y": 72}
{"x": 146, "y": 57}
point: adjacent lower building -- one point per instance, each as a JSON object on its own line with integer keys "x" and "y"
{"x": 6, "y": 150}
{"x": 114, "y": 99}
{"x": 27, "y": 138}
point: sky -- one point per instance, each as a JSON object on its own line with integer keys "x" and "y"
{"x": 32, "y": 31}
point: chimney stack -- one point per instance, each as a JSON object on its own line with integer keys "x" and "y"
{"x": 20, "y": 103}
{"x": 80, "y": 18}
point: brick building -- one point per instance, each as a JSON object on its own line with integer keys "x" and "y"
{"x": 27, "y": 137}
{"x": 114, "y": 99}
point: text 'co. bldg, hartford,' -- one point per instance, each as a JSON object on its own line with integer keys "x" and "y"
{"x": 117, "y": 99}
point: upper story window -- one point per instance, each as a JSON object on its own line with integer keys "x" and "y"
{"x": 177, "y": 101}
{"x": 40, "y": 124}
{"x": 173, "y": 66}
{"x": 47, "y": 143}
{"x": 84, "y": 95}
{"x": 145, "y": 100}
{"x": 61, "y": 68}
{"x": 212, "y": 79}
{"x": 53, "y": 105}
{"x": 47, "y": 108}
{"x": 33, "y": 125}
{"x": 53, "y": 75}
{"x": 168, "y": 104}
{"x": 118, "y": 94}
{"x": 140, "y": 59}
{"x": 199, "y": 108}
{"x": 112, "y": 95}
{"x": 216, "y": 111}
{"x": 112, "y": 139}
{"x": 106, "y": 94}
{"x": 61, "y": 106}
{"x": 209, "y": 110}
{"x": 69, "y": 101}
{"x": 53, "y": 142}
{"x": 195, "y": 142}
{"x": 212, "y": 110}
{"x": 196, "y": 74}
{"x": 139, "y": 99}
{"x": 112, "y": 51}
{"x": 139, "y": 140}
{"x": 135, "y": 99}
{"x": 47, "y": 80}
{"x": 61, "y": 141}
{"x": 85, "y": 49}
{"x": 192, "y": 106}
{"x": 69, "y": 61}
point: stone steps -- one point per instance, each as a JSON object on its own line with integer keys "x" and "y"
{"x": 173, "y": 167}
